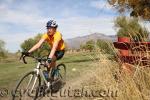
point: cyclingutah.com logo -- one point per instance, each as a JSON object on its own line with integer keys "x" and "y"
{"x": 64, "y": 93}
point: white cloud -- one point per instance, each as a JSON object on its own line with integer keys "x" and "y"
{"x": 25, "y": 15}
{"x": 10, "y": 1}
{"x": 18, "y": 17}
{"x": 2, "y": 6}
{"x": 31, "y": 22}
{"x": 101, "y": 4}
{"x": 147, "y": 25}
{"x": 79, "y": 26}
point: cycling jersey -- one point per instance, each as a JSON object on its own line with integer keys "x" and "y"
{"x": 53, "y": 38}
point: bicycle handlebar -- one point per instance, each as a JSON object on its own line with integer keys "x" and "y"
{"x": 39, "y": 59}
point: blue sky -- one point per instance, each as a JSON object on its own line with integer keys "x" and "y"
{"x": 22, "y": 19}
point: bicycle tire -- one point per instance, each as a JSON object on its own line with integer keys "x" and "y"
{"x": 60, "y": 82}
{"x": 64, "y": 66}
{"x": 33, "y": 75}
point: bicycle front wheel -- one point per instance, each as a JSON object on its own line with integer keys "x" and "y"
{"x": 61, "y": 72}
{"x": 27, "y": 87}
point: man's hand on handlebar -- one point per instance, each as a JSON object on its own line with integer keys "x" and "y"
{"x": 23, "y": 55}
{"x": 26, "y": 54}
{"x": 49, "y": 60}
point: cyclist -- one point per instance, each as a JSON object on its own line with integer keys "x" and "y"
{"x": 54, "y": 39}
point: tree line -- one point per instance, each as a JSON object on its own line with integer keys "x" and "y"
{"x": 104, "y": 46}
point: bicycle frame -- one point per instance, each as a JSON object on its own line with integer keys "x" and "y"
{"x": 39, "y": 72}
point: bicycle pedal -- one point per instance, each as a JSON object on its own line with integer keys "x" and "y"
{"x": 47, "y": 90}
{"x": 42, "y": 90}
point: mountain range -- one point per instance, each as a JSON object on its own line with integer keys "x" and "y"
{"x": 74, "y": 43}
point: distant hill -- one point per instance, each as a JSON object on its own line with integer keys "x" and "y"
{"x": 75, "y": 43}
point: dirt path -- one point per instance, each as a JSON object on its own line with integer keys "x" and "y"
{"x": 68, "y": 91}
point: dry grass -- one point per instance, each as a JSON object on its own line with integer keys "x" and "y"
{"x": 121, "y": 85}
{"x": 109, "y": 82}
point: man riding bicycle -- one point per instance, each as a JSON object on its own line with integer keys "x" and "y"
{"x": 54, "y": 39}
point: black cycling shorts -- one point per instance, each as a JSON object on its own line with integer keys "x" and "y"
{"x": 59, "y": 54}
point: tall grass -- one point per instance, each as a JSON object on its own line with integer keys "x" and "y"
{"x": 110, "y": 76}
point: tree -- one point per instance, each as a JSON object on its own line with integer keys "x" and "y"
{"x": 88, "y": 46}
{"x": 136, "y": 7}
{"x": 29, "y": 43}
{"x": 130, "y": 27}
{"x": 105, "y": 46}
{"x": 2, "y": 49}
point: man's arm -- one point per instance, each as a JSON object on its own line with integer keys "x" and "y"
{"x": 36, "y": 46}
{"x": 55, "y": 45}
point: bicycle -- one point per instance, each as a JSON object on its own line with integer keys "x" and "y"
{"x": 34, "y": 84}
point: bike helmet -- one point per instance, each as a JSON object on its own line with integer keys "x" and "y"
{"x": 51, "y": 23}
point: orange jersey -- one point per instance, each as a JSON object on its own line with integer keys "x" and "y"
{"x": 56, "y": 37}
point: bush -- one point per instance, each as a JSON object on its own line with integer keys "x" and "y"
{"x": 130, "y": 27}
{"x": 106, "y": 46}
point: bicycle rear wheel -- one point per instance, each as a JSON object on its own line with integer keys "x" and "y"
{"x": 27, "y": 87}
{"x": 59, "y": 76}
